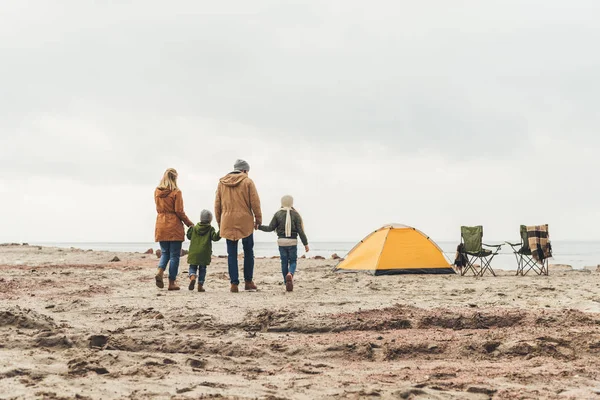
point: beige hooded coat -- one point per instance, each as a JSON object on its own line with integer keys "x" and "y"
{"x": 237, "y": 206}
{"x": 169, "y": 206}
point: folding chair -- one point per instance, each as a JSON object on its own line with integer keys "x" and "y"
{"x": 525, "y": 261}
{"x": 472, "y": 247}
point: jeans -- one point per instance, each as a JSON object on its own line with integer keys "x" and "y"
{"x": 289, "y": 259}
{"x": 199, "y": 271}
{"x": 232, "y": 259}
{"x": 171, "y": 251}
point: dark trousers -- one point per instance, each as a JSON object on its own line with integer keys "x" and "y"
{"x": 232, "y": 259}
{"x": 199, "y": 271}
{"x": 289, "y": 259}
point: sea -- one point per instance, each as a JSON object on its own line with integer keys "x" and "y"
{"x": 578, "y": 254}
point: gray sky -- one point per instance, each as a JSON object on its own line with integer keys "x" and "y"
{"x": 434, "y": 114}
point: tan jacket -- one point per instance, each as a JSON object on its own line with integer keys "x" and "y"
{"x": 237, "y": 206}
{"x": 169, "y": 206}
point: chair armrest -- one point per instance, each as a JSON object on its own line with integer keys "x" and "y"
{"x": 492, "y": 245}
{"x": 513, "y": 244}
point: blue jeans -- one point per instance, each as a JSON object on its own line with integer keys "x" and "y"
{"x": 199, "y": 271}
{"x": 232, "y": 259}
{"x": 289, "y": 259}
{"x": 171, "y": 251}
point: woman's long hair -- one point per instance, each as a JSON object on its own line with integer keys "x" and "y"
{"x": 169, "y": 180}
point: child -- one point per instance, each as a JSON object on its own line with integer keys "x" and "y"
{"x": 202, "y": 235}
{"x": 288, "y": 224}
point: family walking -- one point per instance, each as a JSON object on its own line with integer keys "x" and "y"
{"x": 238, "y": 214}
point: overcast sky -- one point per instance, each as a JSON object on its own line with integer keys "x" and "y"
{"x": 430, "y": 113}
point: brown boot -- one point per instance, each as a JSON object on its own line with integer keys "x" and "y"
{"x": 289, "y": 282}
{"x": 193, "y": 283}
{"x": 234, "y": 288}
{"x": 201, "y": 288}
{"x": 172, "y": 285}
{"x": 159, "y": 278}
{"x": 250, "y": 286}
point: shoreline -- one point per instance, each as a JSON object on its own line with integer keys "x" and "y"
{"x": 334, "y": 257}
{"x": 579, "y": 255}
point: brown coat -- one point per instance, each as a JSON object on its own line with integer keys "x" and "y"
{"x": 237, "y": 206}
{"x": 169, "y": 206}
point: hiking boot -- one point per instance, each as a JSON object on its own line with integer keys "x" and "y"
{"x": 250, "y": 286}
{"x": 201, "y": 288}
{"x": 159, "y": 278}
{"x": 173, "y": 285}
{"x": 234, "y": 288}
{"x": 193, "y": 283}
{"x": 289, "y": 282}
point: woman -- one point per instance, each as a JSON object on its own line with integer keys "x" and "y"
{"x": 169, "y": 229}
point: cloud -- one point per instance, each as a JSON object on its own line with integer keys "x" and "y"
{"x": 429, "y": 113}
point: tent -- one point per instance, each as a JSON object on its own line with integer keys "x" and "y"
{"x": 396, "y": 249}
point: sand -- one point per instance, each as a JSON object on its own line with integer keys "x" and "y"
{"x": 74, "y": 325}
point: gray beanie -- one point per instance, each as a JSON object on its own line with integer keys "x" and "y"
{"x": 241, "y": 165}
{"x": 205, "y": 217}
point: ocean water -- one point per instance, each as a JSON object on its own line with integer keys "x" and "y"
{"x": 576, "y": 254}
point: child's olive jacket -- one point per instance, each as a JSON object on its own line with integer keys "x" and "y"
{"x": 278, "y": 224}
{"x": 201, "y": 235}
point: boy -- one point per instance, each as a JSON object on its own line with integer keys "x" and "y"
{"x": 201, "y": 235}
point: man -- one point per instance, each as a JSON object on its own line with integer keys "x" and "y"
{"x": 237, "y": 210}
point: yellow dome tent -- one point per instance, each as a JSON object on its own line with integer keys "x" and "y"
{"x": 396, "y": 249}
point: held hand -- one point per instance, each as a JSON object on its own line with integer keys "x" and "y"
{"x": 306, "y": 248}
{"x": 256, "y": 225}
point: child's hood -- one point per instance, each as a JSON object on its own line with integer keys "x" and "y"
{"x": 202, "y": 228}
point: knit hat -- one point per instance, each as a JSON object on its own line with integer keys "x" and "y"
{"x": 287, "y": 201}
{"x": 206, "y": 217}
{"x": 241, "y": 165}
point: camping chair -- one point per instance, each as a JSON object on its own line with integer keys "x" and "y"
{"x": 525, "y": 261}
{"x": 472, "y": 248}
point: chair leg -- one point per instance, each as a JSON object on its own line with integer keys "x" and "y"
{"x": 470, "y": 266}
{"x": 520, "y": 267}
{"x": 486, "y": 265}
{"x": 483, "y": 266}
{"x": 518, "y": 258}
{"x": 530, "y": 264}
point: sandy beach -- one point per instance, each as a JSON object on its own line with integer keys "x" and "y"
{"x": 75, "y": 325}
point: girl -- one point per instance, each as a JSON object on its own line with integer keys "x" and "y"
{"x": 288, "y": 224}
{"x": 169, "y": 228}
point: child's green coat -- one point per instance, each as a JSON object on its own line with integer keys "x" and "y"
{"x": 201, "y": 236}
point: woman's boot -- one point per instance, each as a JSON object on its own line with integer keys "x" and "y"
{"x": 159, "y": 278}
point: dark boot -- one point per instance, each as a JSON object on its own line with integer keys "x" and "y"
{"x": 159, "y": 278}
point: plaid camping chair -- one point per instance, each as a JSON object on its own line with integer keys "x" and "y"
{"x": 532, "y": 237}
{"x": 472, "y": 250}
